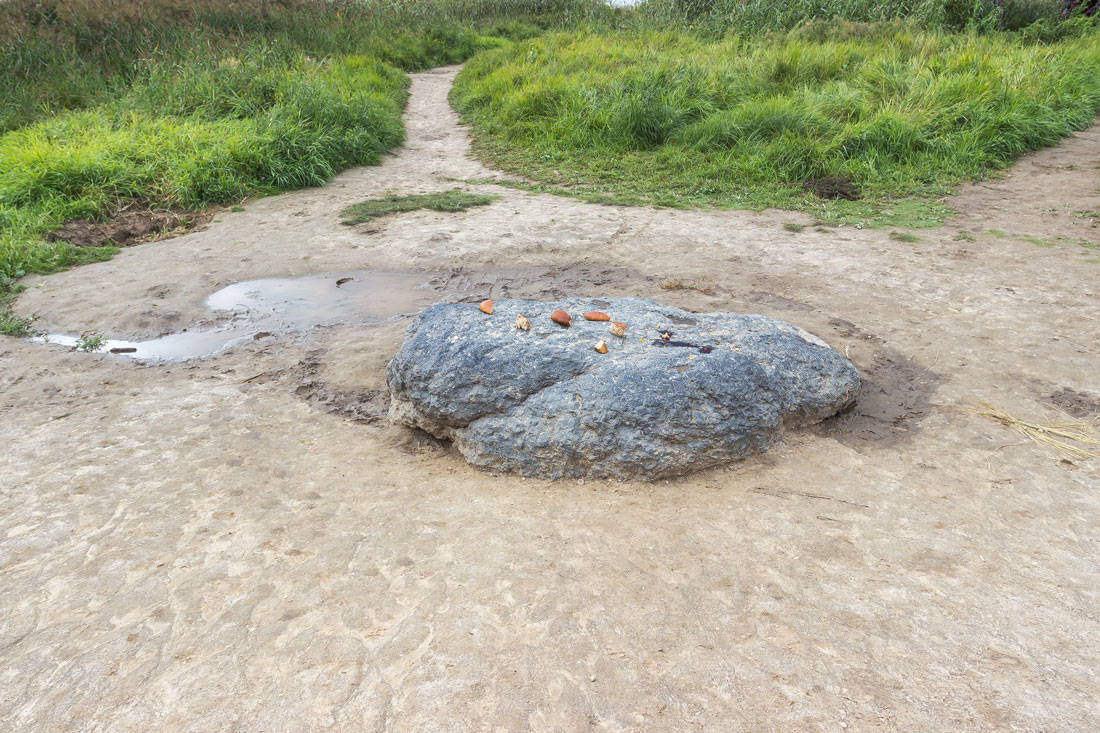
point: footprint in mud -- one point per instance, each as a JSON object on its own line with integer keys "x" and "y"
{"x": 896, "y": 393}
{"x": 1076, "y": 404}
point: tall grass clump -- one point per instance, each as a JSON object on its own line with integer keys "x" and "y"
{"x": 67, "y": 54}
{"x": 755, "y": 120}
{"x": 209, "y": 131}
{"x": 756, "y": 16}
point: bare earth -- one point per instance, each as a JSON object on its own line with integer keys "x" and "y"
{"x": 242, "y": 543}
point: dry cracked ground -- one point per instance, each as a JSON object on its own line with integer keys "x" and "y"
{"x": 242, "y": 543}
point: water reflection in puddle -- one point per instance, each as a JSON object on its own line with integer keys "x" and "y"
{"x": 281, "y": 305}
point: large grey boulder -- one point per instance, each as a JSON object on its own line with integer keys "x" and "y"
{"x": 680, "y": 392}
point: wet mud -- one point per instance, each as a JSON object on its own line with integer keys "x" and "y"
{"x": 896, "y": 394}
{"x": 1077, "y": 404}
{"x": 271, "y": 306}
{"x": 136, "y": 223}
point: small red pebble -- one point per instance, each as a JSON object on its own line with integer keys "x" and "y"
{"x": 486, "y": 306}
{"x": 596, "y": 316}
{"x": 617, "y": 329}
{"x": 561, "y": 318}
{"x": 601, "y": 347}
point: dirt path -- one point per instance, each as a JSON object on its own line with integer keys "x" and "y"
{"x": 242, "y": 543}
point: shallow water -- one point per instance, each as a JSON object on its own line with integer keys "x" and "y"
{"x": 282, "y": 305}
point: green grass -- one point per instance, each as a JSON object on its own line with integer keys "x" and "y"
{"x": 71, "y": 54}
{"x": 1037, "y": 241}
{"x": 793, "y": 227}
{"x": 904, "y": 237}
{"x": 448, "y": 201}
{"x": 188, "y": 104}
{"x": 720, "y": 16}
{"x": 730, "y": 103}
{"x": 218, "y": 131}
{"x": 9, "y": 324}
{"x": 674, "y": 119}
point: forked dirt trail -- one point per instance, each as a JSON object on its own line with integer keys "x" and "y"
{"x": 241, "y": 542}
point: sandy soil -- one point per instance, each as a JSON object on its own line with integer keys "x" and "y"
{"x": 242, "y": 543}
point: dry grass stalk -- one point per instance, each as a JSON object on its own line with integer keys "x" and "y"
{"x": 1065, "y": 438}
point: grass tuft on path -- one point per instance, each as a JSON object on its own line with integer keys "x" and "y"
{"x": 451, "y": 201}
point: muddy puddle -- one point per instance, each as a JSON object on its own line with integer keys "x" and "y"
{"x": 262, "y": 308}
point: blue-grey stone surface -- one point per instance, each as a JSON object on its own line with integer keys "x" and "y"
{"x": 544, "y": 403}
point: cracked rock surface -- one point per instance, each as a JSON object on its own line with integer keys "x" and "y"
{"x": 680, "y": 392}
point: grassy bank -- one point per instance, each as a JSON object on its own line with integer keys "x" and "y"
{"x": 208, "y": 132}
{"x": 879, "y": 112}
{"x": 187, "y": 104}
{"x": 717, "y": 17}
{"x": 69, "y": 54}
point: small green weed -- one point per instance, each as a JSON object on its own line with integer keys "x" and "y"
{"x": 904, "y": 237}
{"x": 237, "y": 209}
{"x": 9, "y": 324}
{"x": 998, "y": 233}
{"x": 90, "y": 342}
{"x": 793, "y": 227}
{"x": 964, "y": 236}
{"x": 1037, "y": 241}
{"x": 449, "y": 201}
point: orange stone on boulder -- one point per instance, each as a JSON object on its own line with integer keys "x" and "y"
{"x": 561, "y": 317}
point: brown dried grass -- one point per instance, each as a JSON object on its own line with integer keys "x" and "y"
{"x": 1063, "y": 438}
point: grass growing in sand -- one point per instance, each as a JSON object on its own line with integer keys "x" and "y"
{"x": 451, "y": 201}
